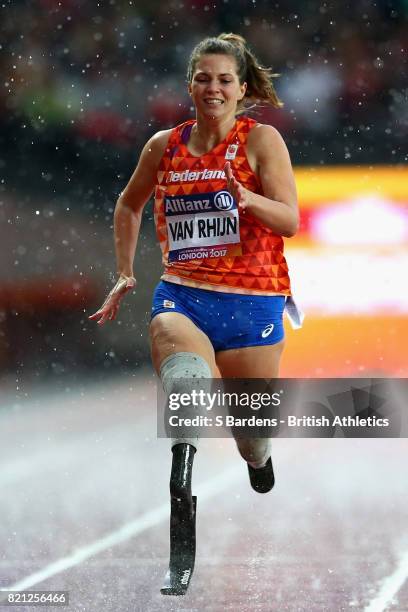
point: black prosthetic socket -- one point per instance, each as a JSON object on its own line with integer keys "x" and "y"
{"x": 181, "y": 472}
{"x": 182, "y": 522}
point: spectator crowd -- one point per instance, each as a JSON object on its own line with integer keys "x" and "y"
{"x": 87, "y": 81}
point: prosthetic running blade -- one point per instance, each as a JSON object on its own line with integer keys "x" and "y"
{"x": 182, "y": 547}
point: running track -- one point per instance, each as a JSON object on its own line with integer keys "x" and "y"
{"x": 84, "y": 508}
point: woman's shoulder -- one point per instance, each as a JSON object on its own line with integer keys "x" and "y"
{"x": 263, "y": 131}
{"x": 160, "y": 140}
{"x": 263, "y": 138}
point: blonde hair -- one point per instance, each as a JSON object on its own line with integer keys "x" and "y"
{"x": 258, "y": 78}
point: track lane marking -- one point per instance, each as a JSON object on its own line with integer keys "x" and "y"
{"x": 205, "y": 491}
{"x": 390, "y": 587}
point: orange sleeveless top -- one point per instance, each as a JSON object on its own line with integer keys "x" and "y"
{"x": 206, "y": 241}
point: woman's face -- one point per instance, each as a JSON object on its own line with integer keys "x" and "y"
{"x": 215, "y": 87}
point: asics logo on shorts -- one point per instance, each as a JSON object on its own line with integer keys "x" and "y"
{"x": 268, "y": 330}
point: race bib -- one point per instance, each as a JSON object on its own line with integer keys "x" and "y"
{"x": 202, "y": 226}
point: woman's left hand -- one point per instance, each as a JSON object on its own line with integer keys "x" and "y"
{"x": 238, "y": 192}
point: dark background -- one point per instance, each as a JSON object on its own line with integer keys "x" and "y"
{"x": 84, "y": 84}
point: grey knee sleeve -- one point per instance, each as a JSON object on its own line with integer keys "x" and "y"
{"x": 255, "y": 451}
{"x": 177, "y": 373}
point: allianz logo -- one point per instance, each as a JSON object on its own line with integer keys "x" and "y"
{"x": 223, "y": 200}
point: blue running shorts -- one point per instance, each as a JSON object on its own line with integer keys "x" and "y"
{"x": 230, "y": 320}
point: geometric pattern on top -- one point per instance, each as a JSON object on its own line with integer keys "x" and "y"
{"x": 205, "y": 240}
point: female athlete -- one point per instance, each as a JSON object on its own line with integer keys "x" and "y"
{"x": 225, "y": 196}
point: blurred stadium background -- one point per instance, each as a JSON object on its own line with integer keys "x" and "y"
{"x": 85, "y": 84}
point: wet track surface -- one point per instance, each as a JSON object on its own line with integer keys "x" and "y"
{"x": 84, "y": 482}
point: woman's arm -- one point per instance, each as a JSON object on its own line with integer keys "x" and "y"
{"x": 269, "y": 157}
{"x": 127, "y": 219}
{"x": 130, "y": 204}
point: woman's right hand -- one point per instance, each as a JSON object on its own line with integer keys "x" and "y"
{"x": 110, "y": 307}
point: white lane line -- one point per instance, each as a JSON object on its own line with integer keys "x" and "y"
{"x": 205, "y": 490}
{"x": 390, "y": 587}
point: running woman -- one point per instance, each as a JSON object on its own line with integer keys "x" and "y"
{"x": 225, "y": 196}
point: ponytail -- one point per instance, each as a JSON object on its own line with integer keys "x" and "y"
{"x": 259, "y": 79}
